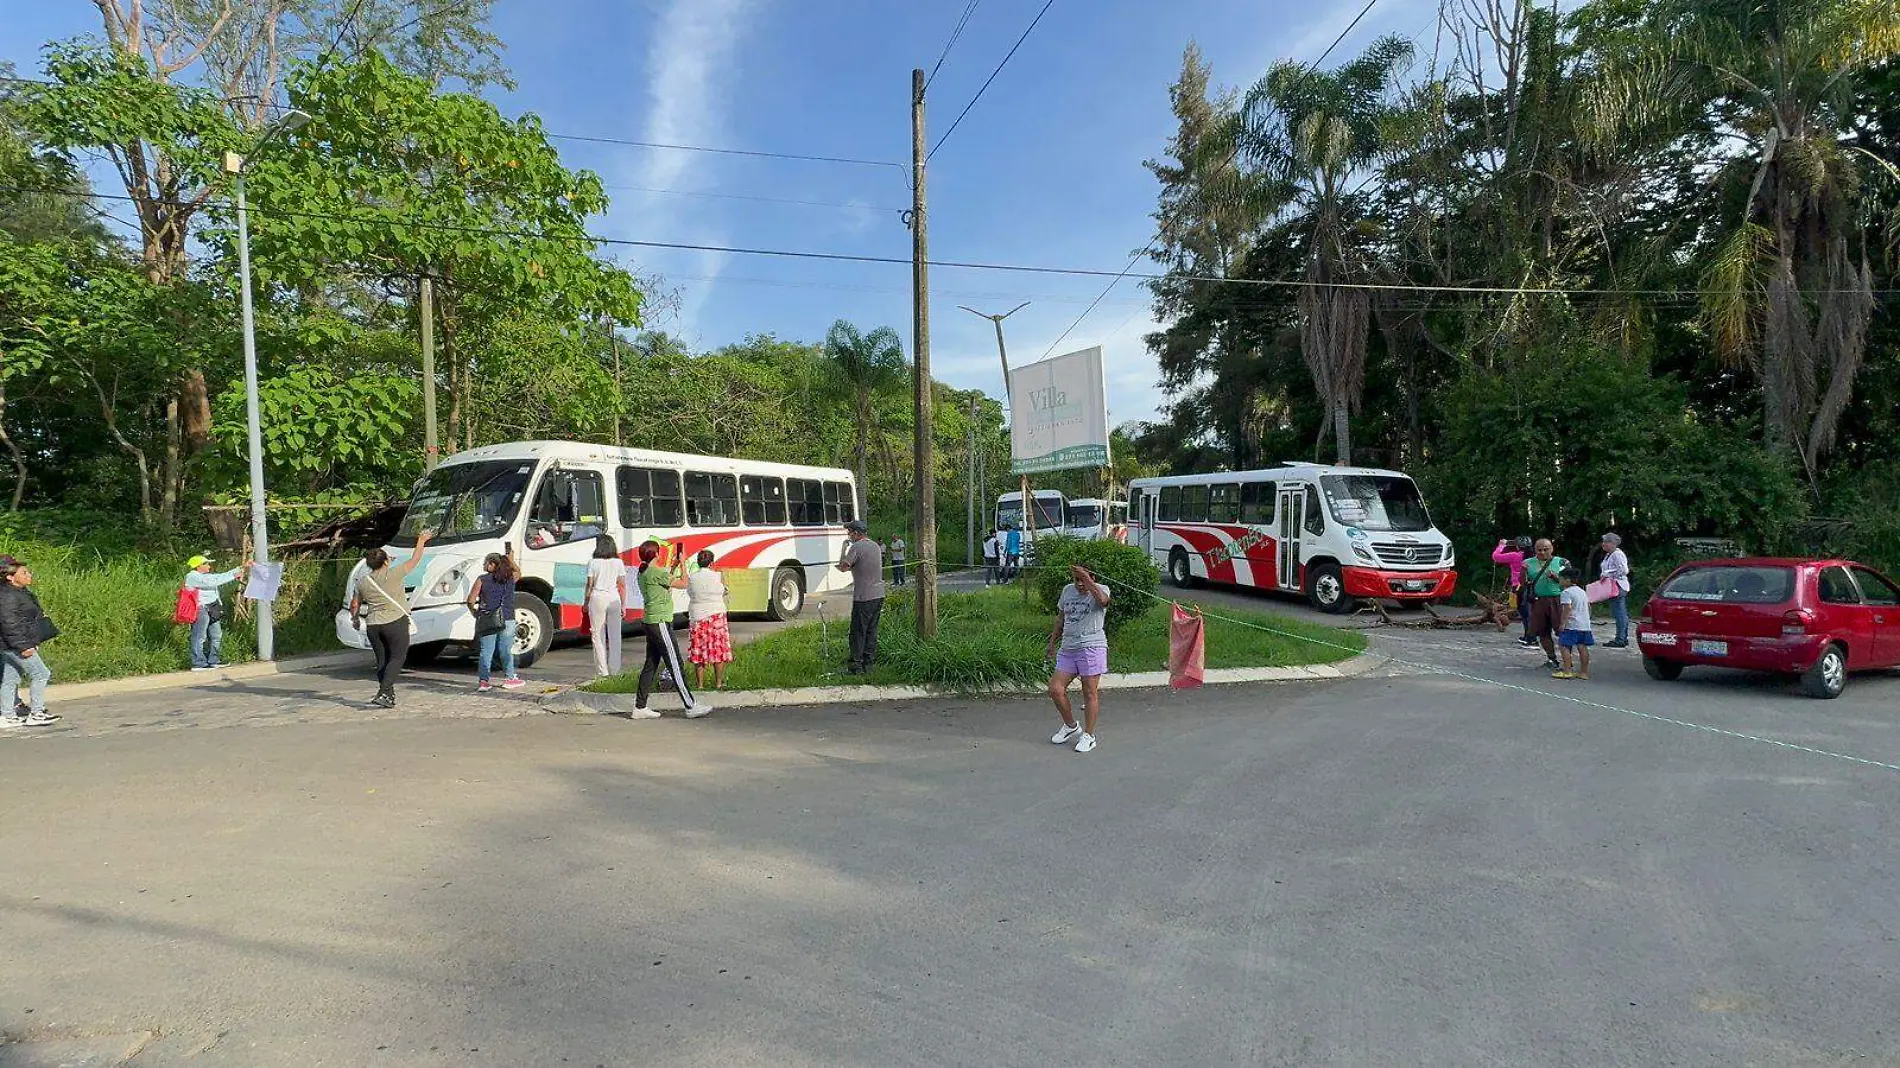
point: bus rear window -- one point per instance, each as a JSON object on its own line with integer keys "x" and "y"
{"x": 1731, "y": 584}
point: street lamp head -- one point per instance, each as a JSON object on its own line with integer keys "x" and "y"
{"x": 289, "y": 122}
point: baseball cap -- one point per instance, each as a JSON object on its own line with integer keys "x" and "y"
{"x": 197, "y": 561}
{"x": 856, "y": 527}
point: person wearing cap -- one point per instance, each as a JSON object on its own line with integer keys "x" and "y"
{"x": 1616, "y": 567}
{"x": 207, "y": 628}
{"x": 864, "y": 559}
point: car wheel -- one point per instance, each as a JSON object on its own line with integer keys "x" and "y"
{"x": 788, "y": 594}
{"x": 1662, "y": 670}
{"x": 534, "y": 628}
{"x": 1828, "y": 677}
{"x": 1326, "y": 590}
{"x": 424, "y": 653}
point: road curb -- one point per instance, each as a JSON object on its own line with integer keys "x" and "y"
{"x": 79, "y": 691}
{"x": 578, "y": 702}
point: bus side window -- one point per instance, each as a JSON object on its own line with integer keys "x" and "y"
{"x": 841, "y": 503}
{"x": 1170, "y": 504}
{"x": 1193, "y": 504}
{"x": 805, "y": 497}
{"x": 570, "y": 506}
{"x": 649, "y": 497}
{"x": 1315, "y": 521}
{"x": 762, "y": 501}
{"x": 1256, "y": 503}
{"x": 712, "y": 500}
{"x": 1223, "y": 504}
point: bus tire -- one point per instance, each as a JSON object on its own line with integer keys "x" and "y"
{"x": 424, "y": 653}
{"x": 786, "y": 597}
{"x": 1180, "y": 572}
{"x": 534, "y": 628}
{"x": 1326, "y": 590}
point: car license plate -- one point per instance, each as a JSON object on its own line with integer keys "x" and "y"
{"x": 1709, "y": 648}
{"x": 1659, "y": 639}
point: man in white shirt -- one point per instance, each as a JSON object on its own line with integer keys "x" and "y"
{"x": 992, "y": 552}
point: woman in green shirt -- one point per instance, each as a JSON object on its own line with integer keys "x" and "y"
{"x": 657, "y": 582}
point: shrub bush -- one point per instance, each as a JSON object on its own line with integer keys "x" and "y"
{"x": 1125, "y": 569}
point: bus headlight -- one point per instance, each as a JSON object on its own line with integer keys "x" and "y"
{"x": 1364, "y": 553}
{"x": 448, "y": 584}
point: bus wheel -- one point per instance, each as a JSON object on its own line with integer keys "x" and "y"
{"x": 534, "y": 628}
{"x": 788, "y": 595}
{"x": 1178, "y": 570}
{"x": 1326, "y": 589}
{"x": 424, "y": 653}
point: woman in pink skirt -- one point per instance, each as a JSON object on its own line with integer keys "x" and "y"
{"x": 711, "y": 641}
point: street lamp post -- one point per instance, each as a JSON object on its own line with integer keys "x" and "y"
{"x": 260, "y": 528}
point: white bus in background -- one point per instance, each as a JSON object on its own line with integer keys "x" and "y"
{"x": 1333, "y": 534}
{"x": 1092, "y": 519}
{"x": 775, "y": 530}
{"x": 1051, "y": 511}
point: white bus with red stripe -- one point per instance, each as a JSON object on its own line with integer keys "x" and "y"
{"x": 774, "y": 529}
{"x": 1331, "y": 534}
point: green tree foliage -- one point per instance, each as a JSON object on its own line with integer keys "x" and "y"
{"x": 1126, "y": 570}
{"x": 867, "y": 369}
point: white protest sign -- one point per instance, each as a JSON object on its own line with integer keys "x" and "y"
{"x": 1058, "y": 412}
{"x": 263, "y": 582}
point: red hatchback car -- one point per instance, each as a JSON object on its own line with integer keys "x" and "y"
{"x": 1816, "y": 619}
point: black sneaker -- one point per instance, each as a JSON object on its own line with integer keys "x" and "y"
{"x": 1553, "y": 665}
{"x": 1613, "y": 644}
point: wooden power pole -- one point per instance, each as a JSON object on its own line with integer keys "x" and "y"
{"x": 925, "y": 458}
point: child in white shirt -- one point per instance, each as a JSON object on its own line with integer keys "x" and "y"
{"x": 1576, "y": 634}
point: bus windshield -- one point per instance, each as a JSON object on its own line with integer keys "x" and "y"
{"x": 1375, "y": 502}
{"x": 1048, "y": 513}
{"x": 1085, "y": 516}
{"x": 466, "y": 501}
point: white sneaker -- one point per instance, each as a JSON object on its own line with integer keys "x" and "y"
{"x": 699, "y": 711}
{"x": 1067, "y": 732}
{"x": 1086, "y": 743}
{"x": 644, "y": 713}
{"x": 12, "y": 723}
{"x": 39, "y": 719}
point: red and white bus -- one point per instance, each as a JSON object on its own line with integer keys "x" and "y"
{"x": 1332, "y": 534}
{"x": 774, "y": 528}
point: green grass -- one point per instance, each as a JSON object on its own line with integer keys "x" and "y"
{"x": 992, "y": 640}
{"x": 114, "y": 610}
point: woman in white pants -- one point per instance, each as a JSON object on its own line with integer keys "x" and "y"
{"x": 606, "y": 608}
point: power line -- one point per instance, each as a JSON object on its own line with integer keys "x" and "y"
{"x": 1342, "y": 33}
{"x": 1098, "y": 299}
{"x": 986, "y": 82}
{"x": 759, "y": 199}
{"x": 968, "y": 10}
{"x": 724, "y": 151}
{"x": 1018, "y": 268}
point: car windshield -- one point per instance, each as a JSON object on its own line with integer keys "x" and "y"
{"x": 1731, "y": 584}
{"x": 466, "y": 501}
{"x": 1375, "y": 502}
{"x": 1048, "y": 514}
{"x": 1085, "y": 516}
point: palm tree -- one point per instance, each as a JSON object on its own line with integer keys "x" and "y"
{"x": 1305, "y": 138}
{"x": 1788, "y": 290}
{"x": 864, "y": 366}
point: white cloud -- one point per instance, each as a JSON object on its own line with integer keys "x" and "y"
{"x": 692, "y": 41}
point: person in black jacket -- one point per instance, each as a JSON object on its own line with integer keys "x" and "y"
{"x": 23, "y": 628}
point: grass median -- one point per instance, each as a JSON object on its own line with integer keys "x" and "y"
{"x": 994, "y": 641}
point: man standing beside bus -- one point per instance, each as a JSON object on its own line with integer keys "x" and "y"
{"x": 1012, "y": 553}
{"x": 864, "y": 559}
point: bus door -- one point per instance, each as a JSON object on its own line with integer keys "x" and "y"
{"x": 1292, "y": 513}
{"x": 1147, "y": 535}
{"x": 568, "y": 513}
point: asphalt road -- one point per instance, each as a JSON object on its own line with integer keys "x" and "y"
{"x": 1409, "y": 868}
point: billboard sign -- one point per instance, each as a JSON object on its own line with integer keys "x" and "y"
{"x": 1058, "y": 412}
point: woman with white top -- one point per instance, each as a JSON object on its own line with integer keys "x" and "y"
{"x": 606, "y": 605}
{"x": 711, "y": 638}
{"x": 1616, "y": 567}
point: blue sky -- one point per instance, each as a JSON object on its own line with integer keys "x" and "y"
{"x": 1045, "y": 170}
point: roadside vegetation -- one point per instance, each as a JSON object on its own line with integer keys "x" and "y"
{"x": 996, "y": 640}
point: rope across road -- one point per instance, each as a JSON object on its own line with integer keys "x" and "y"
{"x": 1439, "y": 669}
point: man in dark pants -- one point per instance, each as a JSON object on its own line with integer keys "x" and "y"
{"x": 864, "y": 559}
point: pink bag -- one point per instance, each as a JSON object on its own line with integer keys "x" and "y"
{"x": 1603, "y": 589}
{"x": 1187, "y": 650}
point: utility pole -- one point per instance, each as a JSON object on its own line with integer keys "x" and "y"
{"x": 969, "y": 521}
{"x": 431, "y": 451}
{"x": 1002, "y": 355}
{"x": 613, "y": 338}
{"x": 925, "y": 459}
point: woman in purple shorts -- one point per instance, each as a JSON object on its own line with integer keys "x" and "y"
{"x": 1080, "y": 648}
